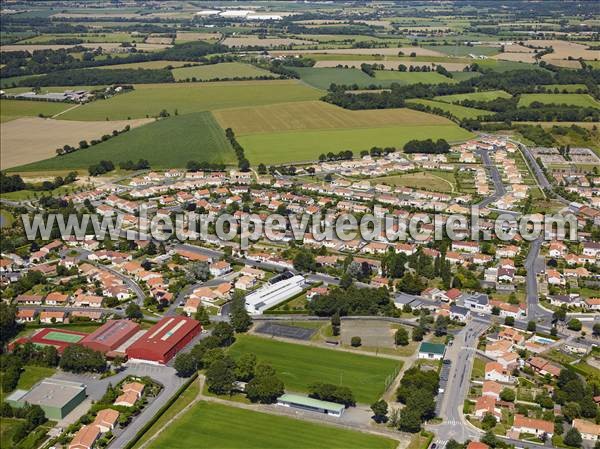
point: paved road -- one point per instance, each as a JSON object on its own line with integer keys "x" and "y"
{"x": 534, "y": 265}
{"x": 499, "y": 187}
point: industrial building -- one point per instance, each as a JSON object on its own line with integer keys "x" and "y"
{"x": 310, "y": 404}
{"x": 163, "y": 340}
{"x": 272, "y": 294}
{"x": 109, "y": 337}
{"x": 57, "y": 398}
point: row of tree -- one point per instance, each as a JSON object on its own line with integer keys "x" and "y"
{"x": 243, "y": 163}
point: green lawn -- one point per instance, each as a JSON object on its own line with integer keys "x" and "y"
{"x": 217, "y": 426}
{"x": 583, "y": 100}
{"x": 219, "y": 71}
{"x": 300, "y": 365}
{"x": 293, "y": 146}
{"x": 412, "y": 77}
{"x": 7, "y": 218}
{"x": 461, "y": 112}
{"x": 475, "y": 96}
{"x": 14, "y": 109}
{"x": 32, "y": 194}
{"x": 167, "y": 143}
{"x": 150, "y": 99}
{"x": 8, "y": 427}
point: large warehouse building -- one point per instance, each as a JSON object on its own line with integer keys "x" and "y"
{"x": 163, "y": 340}
{"x": 272, "y": 294}
{"x": 109, "y": 337}
{"x": 57, "y": 398}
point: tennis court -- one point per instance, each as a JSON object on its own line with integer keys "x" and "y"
{"x": 62, "y": 336}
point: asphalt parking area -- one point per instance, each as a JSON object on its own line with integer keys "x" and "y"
{"x": 285, "y": 331}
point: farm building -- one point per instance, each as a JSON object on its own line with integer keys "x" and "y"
{"x": 56, "y": 397}
{"x": 111, "y": 336}
{"x": 271, "y": 295}
{"x": 163, "y": 340}
{"x": 58, "y": 338}
{"x": 310, "y": 404}
{"x": 432, "y": 351}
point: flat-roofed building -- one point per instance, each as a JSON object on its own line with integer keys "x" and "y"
{"x": 271, "y": 295}
{"x": 310, "y": 404}
{"x": 111, "y": 335}
{"x": 57, "y": 398}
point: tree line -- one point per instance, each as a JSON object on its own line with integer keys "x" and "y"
{"x": 243, "y": 163}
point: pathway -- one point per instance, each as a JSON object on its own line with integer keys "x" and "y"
{"x": 66, "y": 110}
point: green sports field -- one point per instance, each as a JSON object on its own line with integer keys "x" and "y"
{"x": 300, "y": 365}
{"x": 150, "y": 99}
{"x": 460, "y": 112}
{"x": 216, "y": 426}
{"x": 14, "y": 109}
{"x": 412, "y": 77}
{"x": 475, "y": 96}
{"x": 166, "y": 143}
{"x": 293, "y": 146}
{"x": 223, "y": 70}
{"x": 582, "y": 100}
{"x": 63, "y": 336}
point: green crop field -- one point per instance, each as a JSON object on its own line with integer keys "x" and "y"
{"x": 412, "y": 77}
{"x": 298, "y": 366}
{"x": 461, "y": 76}
{"x": 322, "y": 78}
{"x": 167, "y": 143}
{"x": 583, "y": 100}
{"x": 293, "y": 146}
{"x": 475, "y": 96}
{"x": 223, "y": 70}
{"x": 317, "y": 115}
{"x": 145, "y": 65}
{"x": 14, "y": 109}
{"x": 150, "y": 99}
{"x": 209, "y": 425}
{"x": 505, "y": 66}
{"x": 460, "y": 112}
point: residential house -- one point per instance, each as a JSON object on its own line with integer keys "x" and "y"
{"x": 487, "y": 404}
{"x": 478, "y": 302}
{"x": 26, "y": 315}
{"x": 191, "y": 306}
{"x": 245, "y": 283}
{"x": 106, "y": 420}
{"x": 57, "y": 299}
{"x": 53, "y": 316}
{"x": 589, "y": 431}
{"x": 491, "y": 388}
{"x": 495, "y": 371}
{"x": 86, "y": 437}
{"x": 220, "y": 268}
{"x": 538, "y": 427}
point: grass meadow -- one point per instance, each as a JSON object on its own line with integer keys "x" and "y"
{"x": 14, "y": 109}
{"x": 223, "y": 70}
{"x": 150, "y": 99}
{"x": 210, "y": 425}
{"x": 412, "y": 77}
{"x": 145, "y": 65}
{"x": 322, "y": 78}
{"x": 475, "y": 96}
{"x": 460, "y": 112}
{"x": 166, "y": 143}
{"x": 299, "y": 366}
{"x": 582, "y": 100}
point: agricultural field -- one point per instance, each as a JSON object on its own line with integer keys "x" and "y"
{"x": 412, "y": 77}
{"x": 166, "y": 143}
{"x": 393, "y": 64}
{"x": 460, "y": 112}
{"x": 220, "y": 426}
{"x": 298, "y": 366}
{"x": 582, "y": 100}
{"x": 150, "y": 99}
{"x": 42, "y": 137}
{"x": 464, "y": 50}
{"x": 14, "y": 109}
{"x": 476, "y": 96}
{"x": 85, "y": 37}
{"x": 219, "y": 71}
{"x": 322, "y": 78}
{"x": 184, "y": 36}
{"x": 250, "y": 41}
{"x": 309, "y": 115}
{"x": 145, "y": 65}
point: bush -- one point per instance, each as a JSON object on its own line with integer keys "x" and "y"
{"x": 355, "y": 342}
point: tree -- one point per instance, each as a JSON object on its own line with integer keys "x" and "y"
{"x": 266, "y": 387}
{"x": 202, "y": 316}
{"x": 574, "y": 325}
{"x": 8, "y": 323}
{"x": 417, "y": 334}
{"x": 355, "y": 342}
{"x": 224, "y": 334}
{"x": 185, "y": 364}
{"x": 573, "y": 438}
{"x": 507, "y": 394}
{"x": 410, "y": 420}
{"x": 401, "y": 337}
{"x": 133, "y": 311}
{"x": 78, "y": 358}
{"x": 380, "y": 411}
{"x": 240, "y": 320}
{"x": 198, "y": 271}
{"x": 509, "y": 321}
{"x": 531, "y": 326}
{"x": 596, "y": 330}
{"x": 488, "y": 422}
{"x": 220, "y": 376}
{"x": 305, "y": 261}
{"x": 489, "y": 438}
{"x": 441, "y": 326}
{"x": 332, "y": 393}
{"x": 245, "y": 367}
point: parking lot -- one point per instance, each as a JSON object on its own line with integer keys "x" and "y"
{"x": 444, "y": 373}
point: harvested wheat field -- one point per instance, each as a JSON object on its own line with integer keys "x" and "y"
{"x": 108, "y": 46}
{"x": 184, "y": 36}
{"x": 564, "y": 49}
{"x": 30, "y": 139}
{"x": 568, "y": 63}
{"x": 159, "y": 40}
{"x": 517, "y": 56}
{"x": 267, "y": 42}
{"x": 451, "y": 66}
